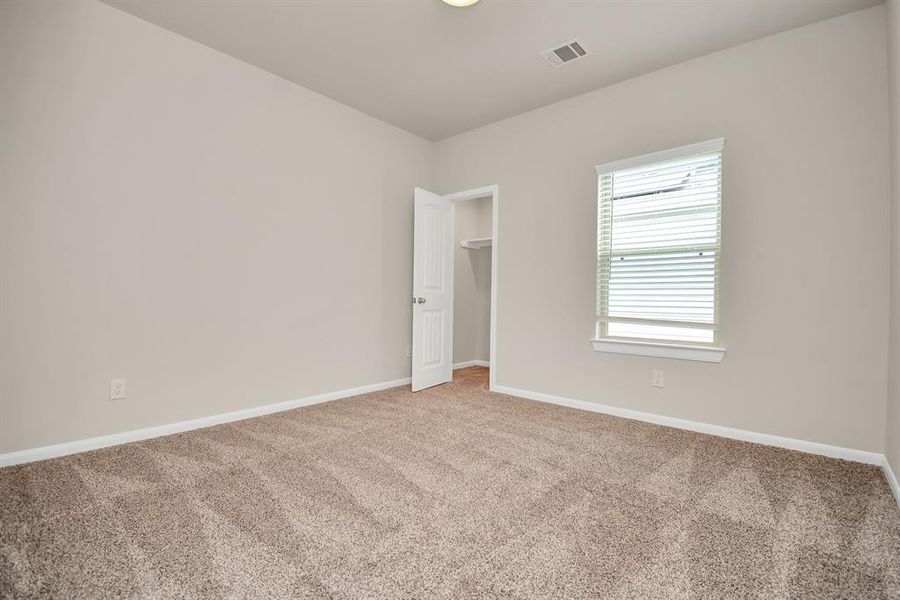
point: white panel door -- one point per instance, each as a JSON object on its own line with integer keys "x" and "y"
{"x": 432, "y": 346}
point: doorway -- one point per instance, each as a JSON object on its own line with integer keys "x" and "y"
{"x": 448, "y": 230}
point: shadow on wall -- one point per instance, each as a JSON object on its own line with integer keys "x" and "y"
{"x": 472, "y": 282}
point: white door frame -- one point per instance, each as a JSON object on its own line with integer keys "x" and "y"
{"x": 483, "y": 192}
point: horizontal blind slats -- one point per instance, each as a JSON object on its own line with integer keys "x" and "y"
{"x": 669, "y": 164}
{"x": 658, "y": 231}
{"x": 677, "y": 184}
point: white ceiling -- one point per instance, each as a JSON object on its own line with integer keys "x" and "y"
{"x": 436, "y": 71}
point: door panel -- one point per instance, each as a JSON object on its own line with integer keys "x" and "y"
{"x": 432, "y": 347}
{"x": 432, "y": 337}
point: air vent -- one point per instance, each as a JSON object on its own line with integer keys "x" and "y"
{"x": 572, "y": 50}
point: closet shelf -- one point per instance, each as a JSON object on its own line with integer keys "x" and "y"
{"x": 476, "y": 243}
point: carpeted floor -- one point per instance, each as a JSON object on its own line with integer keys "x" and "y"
{"x": 451, "y": 492}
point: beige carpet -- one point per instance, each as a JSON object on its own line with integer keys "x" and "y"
{"x": 451, "y": 492}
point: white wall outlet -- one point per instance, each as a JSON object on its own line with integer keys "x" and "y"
{"x": 659, "y": 379}
{"x": 116, "y": 389}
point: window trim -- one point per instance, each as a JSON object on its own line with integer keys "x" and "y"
{"x": 714, "y": 145}
{"x": 705, "y": 352}
{"x": 701, "y": 353}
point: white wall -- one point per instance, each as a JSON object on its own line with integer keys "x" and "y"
{"x": 472, "y": 282}
{"x": 219, "y": 236}
{"x": 805, "y": 237}
{"x": 892, "y": 443}
{"x": 225, "y": 239}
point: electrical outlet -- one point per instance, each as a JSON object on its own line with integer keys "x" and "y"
{"x": 116, "y": 389}
{"x": 659, "y": 379}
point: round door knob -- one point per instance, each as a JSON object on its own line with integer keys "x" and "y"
{"x": 420, "y": 300}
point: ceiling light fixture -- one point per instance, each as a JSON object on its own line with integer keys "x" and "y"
{"x": 460, "y": 3}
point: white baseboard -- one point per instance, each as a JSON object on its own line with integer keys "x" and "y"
{"x": 872, "y": 458}
{"x": 471, "y": 363}
{"x": 56, "y": 450}
{"x": 891, "y": 479}
{"x": 45, "y": 452}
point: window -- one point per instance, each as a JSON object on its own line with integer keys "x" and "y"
{"x": 658, "y": 251}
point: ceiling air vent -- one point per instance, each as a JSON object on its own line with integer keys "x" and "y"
{"x": 572, "y": 50}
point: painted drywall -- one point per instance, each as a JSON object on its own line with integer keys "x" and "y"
{"x": 472, "y": 282}
{"x": 226, "y": 239}
{"x": 219, "y": 236}
{"x": 892, "y": 440}
{"x": 806, "y": 233}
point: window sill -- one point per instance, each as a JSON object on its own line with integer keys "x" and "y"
{"x": 711, "y": 354}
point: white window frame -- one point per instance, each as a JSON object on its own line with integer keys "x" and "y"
{"x": 661, "y": 349}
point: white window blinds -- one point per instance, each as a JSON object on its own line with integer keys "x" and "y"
{"x": 658, "y": 246}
